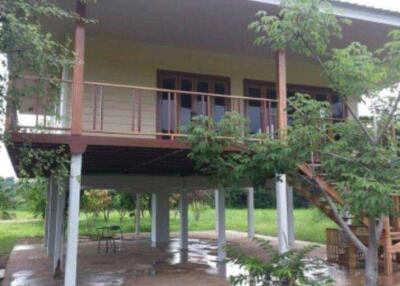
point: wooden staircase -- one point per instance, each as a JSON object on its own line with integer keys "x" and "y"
{"x": 390, "y": 240}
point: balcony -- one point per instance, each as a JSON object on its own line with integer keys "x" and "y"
{"x": 132, "y": 111}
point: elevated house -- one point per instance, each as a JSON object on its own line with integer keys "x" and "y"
{"x": 142, "y": 71}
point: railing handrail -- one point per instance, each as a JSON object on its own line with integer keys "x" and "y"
{"x": 156, "y": 89}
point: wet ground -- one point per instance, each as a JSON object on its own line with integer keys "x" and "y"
{"x": 137, "y": 263}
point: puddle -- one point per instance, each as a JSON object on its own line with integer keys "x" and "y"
{"x": 201, "y": 256}
{"x": 24, "y": 247}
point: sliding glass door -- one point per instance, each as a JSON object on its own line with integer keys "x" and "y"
{"x": 190, "y": 95}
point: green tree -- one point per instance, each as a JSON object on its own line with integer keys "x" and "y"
{"x": 33, "y": 193}
{"x": 363, "y": 158}
{"x": 199, "y": 201}
{"x": 124, "y": 203}
{"x": 32, "y": 50}
{"x": 228, "y": 153}
{"x": 7, "y": 198}
{"x": 95, "y": 202}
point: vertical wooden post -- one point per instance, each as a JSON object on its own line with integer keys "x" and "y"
{"x": 78, "y": 75}
{"x": 280, "y": 71}
{"x": 352, "y": 258}
{"x": 281, "y": 192}
{"x": 387, "y": 248}
{"x": 396, "y": 218}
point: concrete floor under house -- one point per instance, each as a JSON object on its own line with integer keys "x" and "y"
{"x": 140, "y": 264}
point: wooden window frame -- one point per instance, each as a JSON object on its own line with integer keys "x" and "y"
{"x": 194, "y": 77}
{"x": 308, "y": 89}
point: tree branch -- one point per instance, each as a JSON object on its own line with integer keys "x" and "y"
{"x": 391, "y": 115}
{"x": 362, "y": 126}
{"x": 379, "y": 227}
{"x": 317, "y": 58}
{"x": 346, "y": 160}
{"x": 357, "y": 242}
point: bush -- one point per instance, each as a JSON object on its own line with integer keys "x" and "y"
{"x": 93, "y": 203}
{"x": 7, "y": 198}
{"x": 124, "y": 204}
{"x": 199, "y": 201}
{"x": 33, "y": 193}
{"x": 291, "y": 268}
{"x": 263, "y": 198}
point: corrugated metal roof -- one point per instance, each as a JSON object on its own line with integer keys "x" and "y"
{"x": 360, "y": 3}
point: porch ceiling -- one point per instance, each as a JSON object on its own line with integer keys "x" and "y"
{"x": 123, "y": 160}
{"x": 215, "y": 25}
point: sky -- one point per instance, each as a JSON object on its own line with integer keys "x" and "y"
{"x": 6, "y": 169}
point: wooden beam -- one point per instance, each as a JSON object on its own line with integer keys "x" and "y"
{"x": 396, "y": 218}
{"x": 78, "y": 74}
{"x": 387, "y": 248}
{"x": 280, "y": 71}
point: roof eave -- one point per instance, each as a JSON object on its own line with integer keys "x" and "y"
{"x": 356, "y": 12}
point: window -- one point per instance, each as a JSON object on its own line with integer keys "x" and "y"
{"x": 174, "y": 114}
{"x": 263, "y": 118}
{"x": 260, "y": 113}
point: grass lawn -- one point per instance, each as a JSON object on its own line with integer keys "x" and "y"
{"x": 310, "y": 224}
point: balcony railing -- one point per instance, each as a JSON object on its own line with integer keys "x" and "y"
{"x": 127, "y": 110}
{"x": 133, "y": 111}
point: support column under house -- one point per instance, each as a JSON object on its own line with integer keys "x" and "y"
{"x": 73, "y": 220}
{"x": 250, "y": 213}
{"x": 159, "y": 218}
{"x": 184, "y": 229}
{"x": 220, "y": 223}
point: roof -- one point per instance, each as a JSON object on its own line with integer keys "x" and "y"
{"x": 357, "y": 11}
{"x": 364, "y": 5}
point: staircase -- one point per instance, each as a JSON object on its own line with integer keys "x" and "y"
{"x": 390, "y": 240}
{"x": 314, "y": 194}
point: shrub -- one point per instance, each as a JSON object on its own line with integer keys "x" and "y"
{"x": 7, "y": 198}
{"x": 33, "y": 193}
{"x": 291, "y": 268}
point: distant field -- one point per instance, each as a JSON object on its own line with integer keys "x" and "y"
{"x": 310, "y": 224}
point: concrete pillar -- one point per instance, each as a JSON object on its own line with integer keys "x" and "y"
{"x": 137, "y": 215}
{"x": 59, "y": 232}
{"x": 52, "y": 216}
{"x": 184, "y": 230}
{"x": 73, "y": 220}
{"x": 220, "y": 223}
{"x": 290, "y": 208}
{"x": 250, "y": 213}
{"x": 46, "y": 216}
{"x": 159, "y": 218}
{"x": 282, "y": 210}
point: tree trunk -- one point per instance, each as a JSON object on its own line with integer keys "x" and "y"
{"x": 371, "y": 259}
